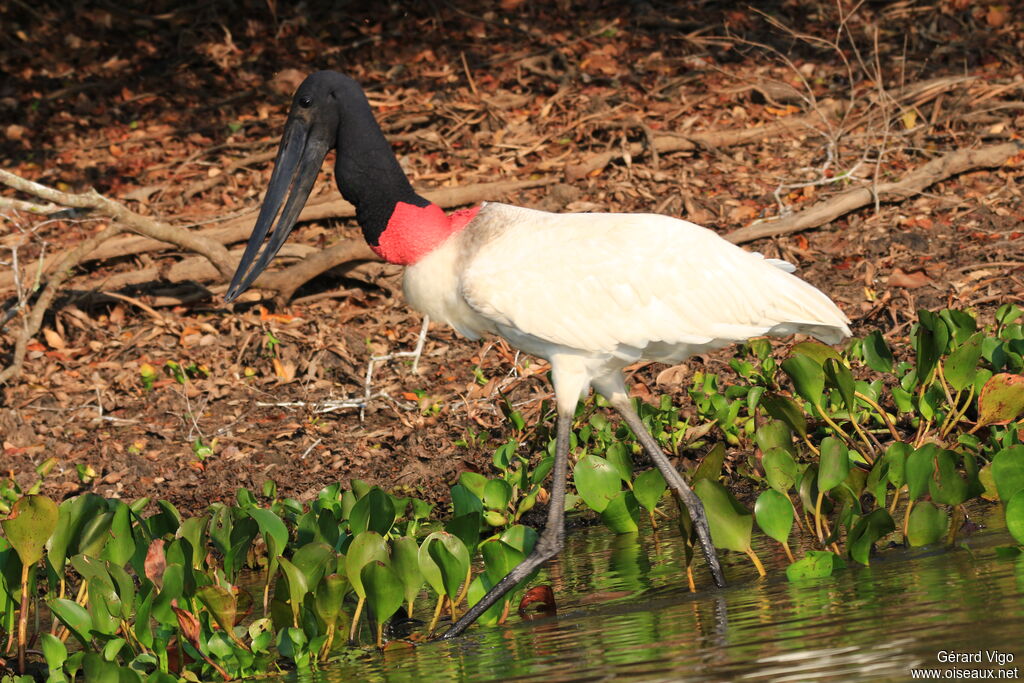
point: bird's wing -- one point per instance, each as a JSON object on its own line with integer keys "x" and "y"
{"x": 596, "y": 282}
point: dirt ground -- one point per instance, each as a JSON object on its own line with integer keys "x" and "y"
{"x": 176, "y": 112}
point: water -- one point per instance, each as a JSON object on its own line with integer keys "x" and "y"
{"x": 625, "y": 613}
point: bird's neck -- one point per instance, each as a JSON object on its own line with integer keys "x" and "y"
{"x": 398, "y": 224}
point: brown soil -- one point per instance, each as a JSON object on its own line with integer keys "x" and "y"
{"x": 148, "y": 107}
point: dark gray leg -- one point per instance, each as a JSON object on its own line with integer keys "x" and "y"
{"x": 620, "y": 401}
{"x": 551, "y": 539}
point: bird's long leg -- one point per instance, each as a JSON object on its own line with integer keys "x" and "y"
{"x": 551, "y": 539}
{"x": 617, "y": 396}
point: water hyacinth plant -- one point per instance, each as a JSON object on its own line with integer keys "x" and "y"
{"x": 837, "y": 450}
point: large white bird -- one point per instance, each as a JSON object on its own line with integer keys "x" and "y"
{"x": 590, "y": 293}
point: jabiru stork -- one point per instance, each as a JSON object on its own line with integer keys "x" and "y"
{"x": 589, "y": 292}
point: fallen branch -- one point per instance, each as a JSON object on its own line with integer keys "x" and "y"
{"x": 912, "y": 184}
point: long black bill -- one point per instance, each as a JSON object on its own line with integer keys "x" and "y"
{"x": 295, "y": 170}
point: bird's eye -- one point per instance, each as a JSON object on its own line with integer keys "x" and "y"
{"x": 306, "y": 101}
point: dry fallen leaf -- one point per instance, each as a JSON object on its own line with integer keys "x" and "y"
{"x": 53, "y": 339}
{"x": 911, "y": 280}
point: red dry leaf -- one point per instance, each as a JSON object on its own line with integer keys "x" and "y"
{"x": 156, "y": 563}
{"x": 189, "y": 625}
{"x": 540, "y": 599}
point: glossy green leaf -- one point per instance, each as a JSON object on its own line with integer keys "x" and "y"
{"x": 467, "y": 527}
{"x": 1001, "y": 399}
{"x": 866, "y": 532}
{"x": 465, "y": 501}
{"x": 959, "y": 368}
{"x": 94, "y": 533}
{"x": 74, "y": 617}
{"x": 807, "y": 376}
{"x": 73, "y": 513}
{"x": 1014, "y": 511}
{"x": 384, "y": 590}
{"x": 919, "y": 468}
{"x": 478, "y": 588}
{"x": 121, "y": 545}
{"x": 297, "y": 587}
{"x": 329, "y": 597}
{"x": 54, "y": 651}
{"x": 930, "y": 341}
{"x": 784, "y": 408}
{"x": 816, "y": 564}
{"x": 32, "y": 521}
{"x": 274, "y": 532}
{"x": 816, "y": 351}
{"x": 774, "y": 514}
{"x": 834, "y": 465}
{"x": 896, "y": 457}
{"x": 451, "y": 558}
{"x": 365, "y": 548}
{"x": 927, "y": 524}
{"x": 457, "y": 559}
{"x": 497, "y": 494}
{"x": 780, "y": 469}
{"x": 474, "y": 482}
{"x": 1008, "y": 471}
{"x": 731, "y": 523}
{"x": 618, "y": 457}
{"x": 622, "y": 513}
{"x": 406, "y": 563}
{"x": 499, "y": 559}
{"x": 839, "y": 376}
{"x": 520, "y": 537}
{"x": 710, "y": 466}
{"x": 221, "y": 603}
{"x": 314, "y": 560}
{"x": 876, "y": 352}
{"x": 946, "y": 485}
{"x": 596, "y": 481}
{"x": 373, "y": 512}
{"x": 649, "y": 487}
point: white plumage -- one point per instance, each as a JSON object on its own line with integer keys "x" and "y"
{"x": 610, "y": 289}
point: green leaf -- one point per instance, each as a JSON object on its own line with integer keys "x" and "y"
{"x": 816, "y": 564}
{"x": 959, "y": 368}
{"x": 919, "y": 468}
{"x": 876, "y": 352}
{"x": 314, "y": 560}
{"x": 373, "y": 512}
{"x": 618, "y": 457}
{"x": 32, "y": 521}
{"x": 839, "y": 376}
{"x": 780, "y": 469}
{"x": 866, "y": 532}
{"x": 121, "y": 545}
{"x": 406, "y": 563}
{"x": 774, "y": 514}
{"x": 274, "y": 532}
{"x": 384, "y": 590}
{"x": 816, "y": 351}
{"x": 222, "y": 604}
{"x": 649, "y": 487}
{"x": 710, "y": 466}
{"x": 75, "y": 617}
{"x": 451, "y": 558}
{"x": 467, "y": 527}
{"x": 731, "y": 523}
{"x": 807, "y": 376}
{"x": 927, "y": 524}
{"x": 367, "y": 547}
{"x": 465, "y": 501}
{"x": 1014, "y": 512}
{"x": 946, "y": 485}
{"x": 329, "y": 596}
{"x": 474, "y": 482}
{"x": 457, "y": 559}
{"x": 1001, "y": 399}
{"x": 621, "y": 513}
{"x": 596, "y": 481}
{"x": 896, "y": 457}
{"x": 785, "y": 409}
{"x": 930, "y": 340}
{"x": 497, "y": 494}
{"x": 1008, "y": 471}
{"x": 835, "y": 463}
{"x": 54, "y": 651}
{"x": 499, "y": 559}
